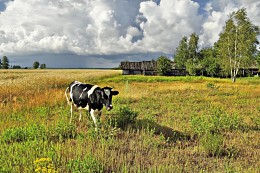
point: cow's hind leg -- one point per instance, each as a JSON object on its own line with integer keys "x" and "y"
{"x": 71, "y": 110}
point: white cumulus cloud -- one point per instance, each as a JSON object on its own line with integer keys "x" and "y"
{"x": 112, "y": 27}
{"x": 218, "y": 12}
{"x": 101, "y": 27}
{"x": 78, "y": 26}
{"x": 167, "y": 23}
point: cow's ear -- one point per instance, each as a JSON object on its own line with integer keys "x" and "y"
{"x": 115, "y": 93}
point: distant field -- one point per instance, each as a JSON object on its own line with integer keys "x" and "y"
{"x": 158, "y": 124}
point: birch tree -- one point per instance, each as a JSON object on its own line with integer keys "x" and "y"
{"x": 237, "y": 43}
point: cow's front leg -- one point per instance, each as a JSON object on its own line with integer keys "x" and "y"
{"x": 92, "y": 113}
{"x": 80, "y": 114}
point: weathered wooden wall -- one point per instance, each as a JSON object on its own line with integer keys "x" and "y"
{"x": 144, "y": 67}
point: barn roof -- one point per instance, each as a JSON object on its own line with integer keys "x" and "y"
{"x": 144, "y": 65}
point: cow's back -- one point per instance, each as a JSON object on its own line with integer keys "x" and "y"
{"x": 78, "y": 93}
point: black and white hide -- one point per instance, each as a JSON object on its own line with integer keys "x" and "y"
{"x": 89, "y": 97}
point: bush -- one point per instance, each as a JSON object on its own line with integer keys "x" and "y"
{"x": 123, "y": 117}
{"x": 64, "y": 130}
{"x": 13, "y": 135}
{"x": 164, "y": 66}
{"x": 212, "y": 144}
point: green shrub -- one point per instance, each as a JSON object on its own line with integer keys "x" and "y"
{"x": 13, "y": 135}
{"x": 124, "y": 116}
{"x": 63, "y": 130}
{"x": 212, "y": 144}
{"x": 36, "y": 132}
{"x": 163, "y": 65}
{"x": 88, "y": 165}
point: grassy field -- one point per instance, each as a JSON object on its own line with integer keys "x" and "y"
{"x": 158, "y": 124}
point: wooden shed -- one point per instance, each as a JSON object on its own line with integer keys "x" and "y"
{"x": 144, "y": 67}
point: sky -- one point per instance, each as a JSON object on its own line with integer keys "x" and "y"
{"x": 102, "y": 33}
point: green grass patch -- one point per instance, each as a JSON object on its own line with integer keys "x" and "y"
{"x": 62, "y": 130}
{"x": 20, "y": 134}
{"x": 152, "y": 79}
{"x": 88, "y": 164}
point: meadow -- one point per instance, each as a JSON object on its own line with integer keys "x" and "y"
{"x": 158, "y": 124}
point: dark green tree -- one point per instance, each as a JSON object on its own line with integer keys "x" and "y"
{"x": 192, "y": 64}
{"x": 191, "y": 68}
{"x": 17, "y": 67}
{"x": 186, "y": 56}
{"x": 43, "y": 66}
{"x": 236, "y": 47}
{"x": 164, "y": 65}
{"x": 193, "y": 46}
{"x": 182, "y": 53}
{"x": 36, "y": 65}
{"x": 209, "y": 62}
{"x": 5, "y": 63}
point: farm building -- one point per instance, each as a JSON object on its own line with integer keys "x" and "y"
{"x": 147, "y": 68}
{"x": 150, "y": 68}
{"x": 144, "y": 67}
{"x": 251, "y": 71}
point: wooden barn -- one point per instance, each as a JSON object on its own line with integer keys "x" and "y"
{"x": 148, "y": 68}
{"x": 251, "y": 71}
{"x": 144, "y": 68}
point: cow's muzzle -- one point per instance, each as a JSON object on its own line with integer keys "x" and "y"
{"x": 109, "y": 107}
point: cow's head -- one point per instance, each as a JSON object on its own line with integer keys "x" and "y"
{"x": 107, "y": 95}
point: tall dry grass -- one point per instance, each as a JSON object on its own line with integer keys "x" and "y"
{"x": 21, "y": 90}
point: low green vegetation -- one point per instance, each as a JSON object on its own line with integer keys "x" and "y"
{"x": 158, "y": 124}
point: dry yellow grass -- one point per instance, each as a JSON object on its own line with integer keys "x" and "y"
{"x": 19, "y": 83}
{"x": 26, "y": 89}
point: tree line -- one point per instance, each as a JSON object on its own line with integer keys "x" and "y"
{"x": 4, "y": 64}
{"x": 236, "y": 49}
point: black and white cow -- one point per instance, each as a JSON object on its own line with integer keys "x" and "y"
{"x": 89, "y": 97}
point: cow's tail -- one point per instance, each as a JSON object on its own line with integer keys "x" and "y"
{"x": 66, "y": 94}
